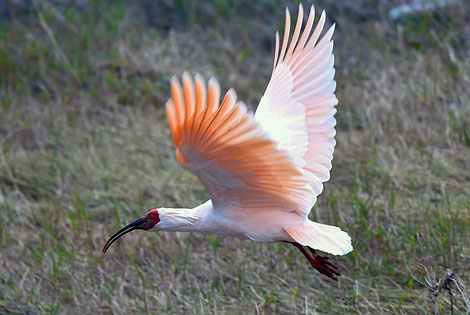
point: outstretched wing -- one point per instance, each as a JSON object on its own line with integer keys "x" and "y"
{"x": 229, "y": 152}
{"x": 298, "y": 106}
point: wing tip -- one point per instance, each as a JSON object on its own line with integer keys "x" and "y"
{"x": 213, "y": 82}
{"x": 232, "y": 93}
{"x": 186, "y": 75}
{"x": 198, "y": 77}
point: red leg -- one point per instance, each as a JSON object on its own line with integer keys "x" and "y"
{"x": 314, "y": 252}
{"x": 320, "y": 263}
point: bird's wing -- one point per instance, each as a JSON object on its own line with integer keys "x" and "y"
{"x": 229, "y": 152}
{"x": 298, "y": 106}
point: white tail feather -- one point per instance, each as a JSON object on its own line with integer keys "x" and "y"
{"x": 327, "y": 238}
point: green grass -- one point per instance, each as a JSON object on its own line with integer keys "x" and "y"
{"x": 84, "y": 149}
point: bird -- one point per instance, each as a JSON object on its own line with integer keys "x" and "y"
{"x": 263, "y": 171}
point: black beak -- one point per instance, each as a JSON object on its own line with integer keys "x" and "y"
{"x": 136, "y": 225}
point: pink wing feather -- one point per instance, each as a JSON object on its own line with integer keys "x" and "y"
{"x": 298, "y": 107}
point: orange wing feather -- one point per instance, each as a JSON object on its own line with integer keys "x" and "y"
{"x": 228, "y": 151}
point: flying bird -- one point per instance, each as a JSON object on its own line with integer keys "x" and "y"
{"x": 263, "y": 172}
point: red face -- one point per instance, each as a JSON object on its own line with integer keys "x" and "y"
{"x": 144, "y": 223}
{"x": 151, "y": 219}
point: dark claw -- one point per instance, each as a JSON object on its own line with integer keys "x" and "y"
{"x": 324, "y": 259}
{"x": 325, "y": 267}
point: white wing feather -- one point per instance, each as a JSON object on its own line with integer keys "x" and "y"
{"x": 297, "y": 110}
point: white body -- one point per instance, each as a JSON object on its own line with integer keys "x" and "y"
{"x": 226, "y": 221}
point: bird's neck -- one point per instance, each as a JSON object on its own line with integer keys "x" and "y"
{"x": 182, "y": 219}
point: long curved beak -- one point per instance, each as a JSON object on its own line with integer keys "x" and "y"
{"x": 136, "y": 225}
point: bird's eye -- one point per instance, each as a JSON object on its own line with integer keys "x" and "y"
{"x": 150, "y": 216}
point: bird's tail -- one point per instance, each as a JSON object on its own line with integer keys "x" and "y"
{"x": 327, "y": 238}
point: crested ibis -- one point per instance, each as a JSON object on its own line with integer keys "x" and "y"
{"x": 263, "y": 171}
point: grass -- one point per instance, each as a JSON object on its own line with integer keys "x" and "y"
{"x": 85, "y": 149}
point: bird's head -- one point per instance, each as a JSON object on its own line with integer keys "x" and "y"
{"x": 145, "y": 223}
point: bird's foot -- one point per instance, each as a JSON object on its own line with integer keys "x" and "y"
{"x": 318, "y": 262}
{"x": 326, "y": 268}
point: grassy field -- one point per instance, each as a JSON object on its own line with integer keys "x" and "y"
{"x": 85, "y": 148}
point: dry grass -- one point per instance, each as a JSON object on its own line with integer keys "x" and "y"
{"x": 85, "y": 148}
